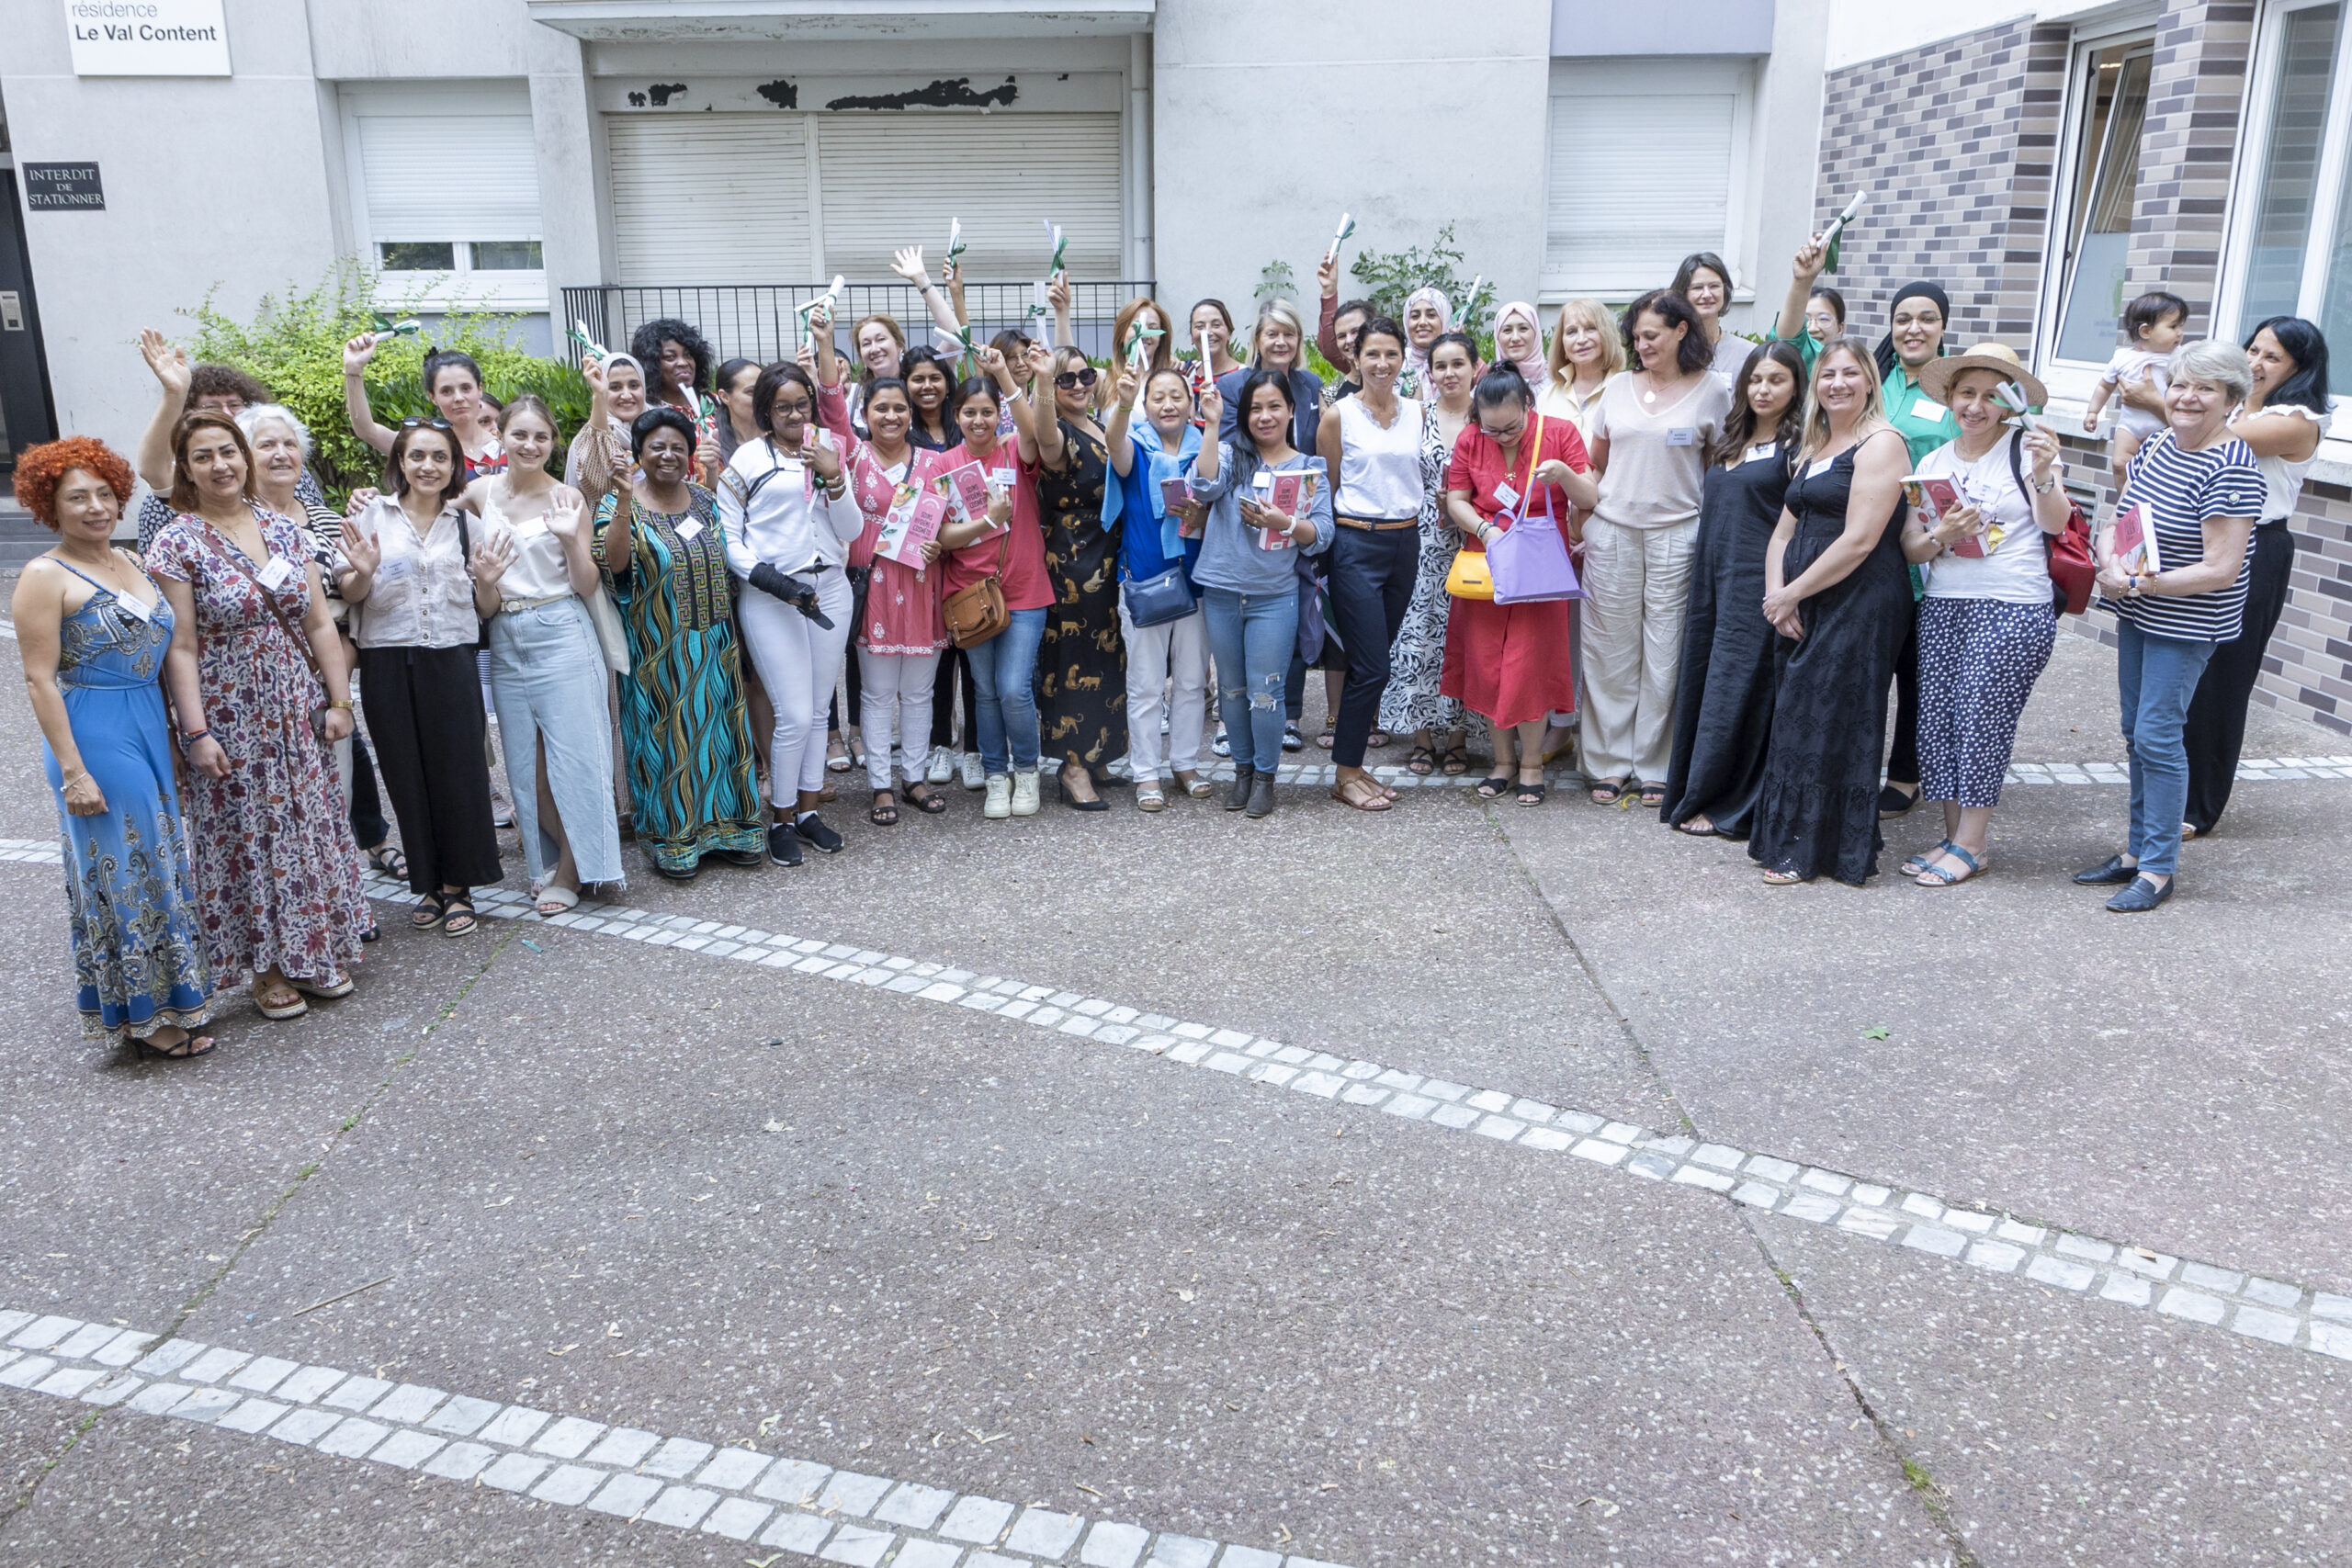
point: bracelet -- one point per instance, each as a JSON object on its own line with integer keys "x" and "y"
{"x": 77, "y": 778}
{"x": 344, "y": 705}
{"x": 191, "y": 737}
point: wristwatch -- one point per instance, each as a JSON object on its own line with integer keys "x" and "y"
{"x": 2043, "y": 486}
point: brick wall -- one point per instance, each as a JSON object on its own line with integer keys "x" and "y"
{"x": 2196, "y": 86}
{"x": 1956, "y": 144}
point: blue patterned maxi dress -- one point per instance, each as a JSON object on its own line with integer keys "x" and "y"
{"x": 138, "y": 960}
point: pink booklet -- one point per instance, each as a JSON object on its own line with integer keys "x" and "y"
{"x": 1287, "y": 494}
{"x": 968, "y": 490}
{"x": 916, "y": 512}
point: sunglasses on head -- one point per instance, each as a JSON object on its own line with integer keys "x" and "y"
{"x": 434, "y": 423}
{"x": 1071, "y": 380}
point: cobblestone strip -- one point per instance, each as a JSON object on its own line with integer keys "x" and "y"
{"x": 2249, "y": 768}
{"x": 837, "y": 1516}
{"x": 2271, "y": 1310}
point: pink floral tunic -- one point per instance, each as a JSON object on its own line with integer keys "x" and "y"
{"x": 903, "y": 611}
{"x": 276, "y": 872}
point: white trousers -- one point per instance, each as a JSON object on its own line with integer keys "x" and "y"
{"x": 1177, "y": 650}
{"x": 799, "y": 662}
{"x": 1638, "y": 584}
{"x": 894, "y": 701}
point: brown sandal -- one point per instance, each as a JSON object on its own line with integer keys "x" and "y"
{"x": 1368, "y": 796}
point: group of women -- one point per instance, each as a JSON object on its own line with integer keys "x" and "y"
{"x": 1078, "y": 553}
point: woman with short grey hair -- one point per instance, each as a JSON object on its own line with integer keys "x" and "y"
{"x": 2198, "y": 491}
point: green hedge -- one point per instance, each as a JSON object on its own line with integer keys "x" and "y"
{"x": 294, "y": 345}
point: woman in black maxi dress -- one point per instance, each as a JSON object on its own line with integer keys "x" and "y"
{"x": 1817, "y": 809}
{"x": 1731, "y": 655}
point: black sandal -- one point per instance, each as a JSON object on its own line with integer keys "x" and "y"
{"x": 1652, "y": 796}
{"x": 1493, "y": 788}
{"x": 1530, "y": 795}
{"x": 431, "y": 911}
{"x": 1421, "y": 761}
{"x": 190, "y": 1046}
{"x": 883, "y": 816}
{"x": 1454, "y": 760}
{"x": 388, "y": 860}
{"x": 461, "y": 908}
{"x": 1608, "y": 792}
{"x": 929, "y": 802}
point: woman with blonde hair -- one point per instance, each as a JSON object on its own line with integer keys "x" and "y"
{"x": 1835, "y": 586}
{"x": 1587, "y": 349}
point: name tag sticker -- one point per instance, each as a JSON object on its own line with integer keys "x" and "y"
{"x": 398, "y": 569}
{"x": 1935, "y": 413}
{"x": 132, "y": 607}
{"x": 691, "y": 529}
{"x": 1682, "y": 435}
{"x": 276, "y": 575}
{"x": 1504, "y": 495}
{"x": 1761, "y": 451}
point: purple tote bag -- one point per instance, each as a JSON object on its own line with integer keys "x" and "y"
{"x": 1531, "y": 565}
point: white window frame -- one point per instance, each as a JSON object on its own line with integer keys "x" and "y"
{"x": 1636, "y": 76}
{"x": 461, "y": 288}
{"x": 2334, "y": 180}
{"x": 2072, "y": 381}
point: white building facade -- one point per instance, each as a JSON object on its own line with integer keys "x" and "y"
{"x": 698, "y": 154}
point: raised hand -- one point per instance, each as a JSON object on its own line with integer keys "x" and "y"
{"x": 1041, "y": 362}
{"x": 908, "y": 263}
{"x": 361, "y": 550}
{"x": 1057, "y": 293}
{"x": 992, "y": 364}
{"x": 357, "y": 353}
{"x": 567, "y": 513}
{"x": 167, "y": 360}
{"x": 491, "y": 561}
{"x": 1809, "y": 259}
{"x": 1327, "y": 276}
{"x": 1212, "y": 404}
{"x": 1129, "y": 384}
{"x": 2041, "y": 445}
{"x": 707, "y": 457}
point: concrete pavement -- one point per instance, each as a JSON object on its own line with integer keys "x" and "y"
{"x": 952, "y": 1260}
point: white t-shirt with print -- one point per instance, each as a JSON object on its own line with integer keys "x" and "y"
{"x": 2017, "y": 570}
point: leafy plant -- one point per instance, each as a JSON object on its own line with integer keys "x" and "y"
{"x": 1389, "y": 277}
{"x": 293, "y": 345}
{"x": 1276, "y": 281}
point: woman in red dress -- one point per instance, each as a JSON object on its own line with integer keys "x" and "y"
{"x": 1513, "y": 467}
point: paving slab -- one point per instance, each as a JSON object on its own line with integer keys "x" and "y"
{"x": 126, "y": 1183}
{"x": 2065, "y": 1431}
{"x": 2042, "y": 1055}
{"x": 976, "y": 1258}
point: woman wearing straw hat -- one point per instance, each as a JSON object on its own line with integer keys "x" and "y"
{"x": 1988, "y": 622}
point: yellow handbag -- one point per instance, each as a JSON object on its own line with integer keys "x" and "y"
{"x": 1468, "y": 576}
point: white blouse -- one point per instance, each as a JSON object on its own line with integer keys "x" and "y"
{"x": 539, "y": 570}
{"x": 421, "y": 596}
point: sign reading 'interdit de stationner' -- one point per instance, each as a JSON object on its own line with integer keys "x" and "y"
{"x": 148, "y": 37}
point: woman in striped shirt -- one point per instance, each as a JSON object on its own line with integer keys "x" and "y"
{"x": 2198, "y": 490}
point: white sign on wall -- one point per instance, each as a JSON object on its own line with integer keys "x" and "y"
{"x": 148, "y": 37}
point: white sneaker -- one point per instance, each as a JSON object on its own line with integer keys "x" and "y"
{"x": 942, "y": 767}
{"x": 1024, "y": 794}
{"x": 973, "y": 777}
{"x": 998, "y": 804}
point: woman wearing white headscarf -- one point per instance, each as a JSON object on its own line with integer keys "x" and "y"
{"x": 598, "y": 463}
{"x": 1429, "y": 315}
{"x": 1518, "y": 343}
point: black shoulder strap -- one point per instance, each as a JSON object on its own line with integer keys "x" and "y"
{"x": 2016, "y": 466}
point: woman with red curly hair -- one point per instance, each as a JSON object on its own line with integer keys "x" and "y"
{"x": 92, "y": 629}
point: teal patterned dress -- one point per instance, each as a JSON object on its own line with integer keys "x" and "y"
{"x": 683, "y": 724}
{"x": 138, "y": 962}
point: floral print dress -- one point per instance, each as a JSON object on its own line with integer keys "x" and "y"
{"x": 1416, "y": 658}
{"x": 276, "y": 872}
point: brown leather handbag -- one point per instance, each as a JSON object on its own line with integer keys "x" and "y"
{"x": 976, "y": 611}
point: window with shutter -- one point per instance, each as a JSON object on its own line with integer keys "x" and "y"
{"x": 1641, "y": 172}
{"x": 444, "y": 192}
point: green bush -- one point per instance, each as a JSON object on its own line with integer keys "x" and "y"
{"x": 294, "y": 345}
{"x": 1388, "y": 277}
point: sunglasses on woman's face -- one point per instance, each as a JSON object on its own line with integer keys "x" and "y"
{"x": 1071, "y": 380}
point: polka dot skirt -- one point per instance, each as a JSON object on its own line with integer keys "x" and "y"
{"x": 1978, "y": 661}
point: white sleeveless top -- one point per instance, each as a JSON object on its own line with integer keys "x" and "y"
{"x": 540, "y": 570}
{"x": 1380, "y": 470}
{"x": 2282, "y": 481}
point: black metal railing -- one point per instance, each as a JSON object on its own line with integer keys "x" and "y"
{"x": 762, "y": 321}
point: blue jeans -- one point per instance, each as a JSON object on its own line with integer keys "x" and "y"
{"x": 2156, "y": 677}
{"x": 548, "y": 681}
{"x": 1004, "y": 672}
{"x": 1252, "y": 638}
